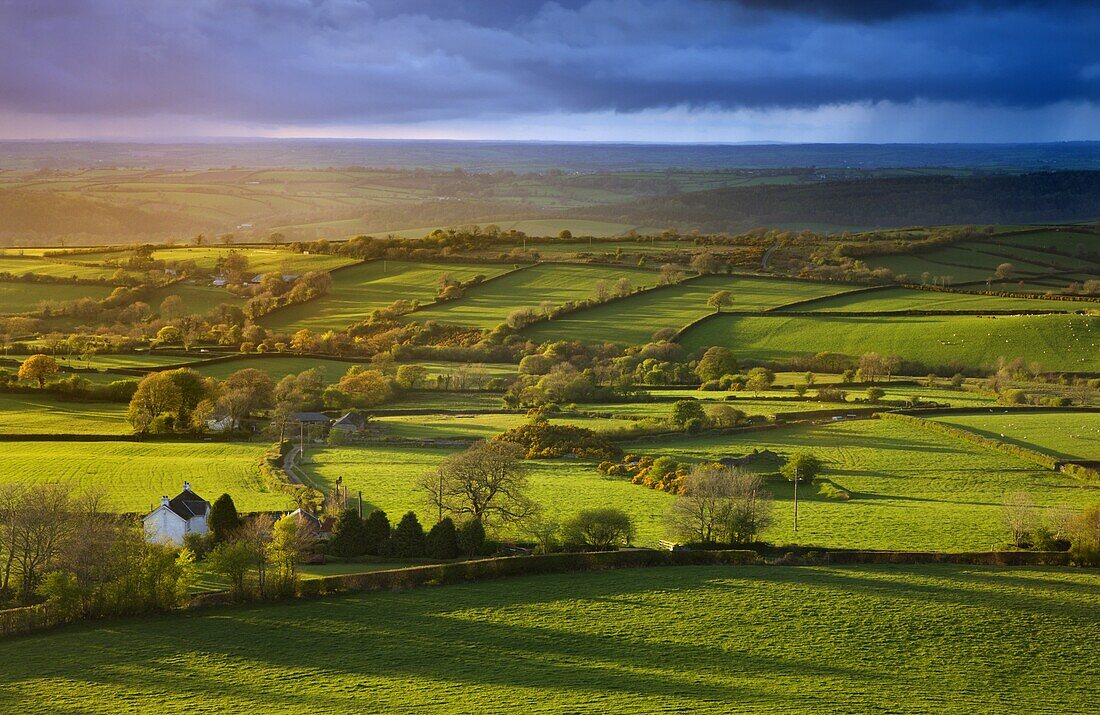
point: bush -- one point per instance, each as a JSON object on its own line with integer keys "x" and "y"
{"x": 376, "y": 529}
{"x": 442, "y": 541}
{"x": 199, "y": 544}
{"x": 223, "y": 518}
{"x": 544, "y": 440}
{"x": 802, "y": 466}
{"x": 684, "y": 411}
{"x": 603, "y": 528}
{"x": 408, "y": 537}
{"x": 1084, "y": 537}
{"x": 471, "y": 538}
{"x": 349, "y": 535}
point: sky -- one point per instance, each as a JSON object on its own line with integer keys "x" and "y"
{"x": 584, "y": 70}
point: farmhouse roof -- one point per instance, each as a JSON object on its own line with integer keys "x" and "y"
{"x": 350, "y": 421}
{"x": 310, "y": 417}
{"x": 187, "y": 504}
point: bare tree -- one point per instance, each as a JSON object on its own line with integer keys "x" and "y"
{"x": 721, "y": 504}
{"x": 487, "y": 482}
{"x": 39, "y": 526}
{"x": 1018, "y": 512}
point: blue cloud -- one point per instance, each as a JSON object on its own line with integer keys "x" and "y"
{"x": 299, "y": 62}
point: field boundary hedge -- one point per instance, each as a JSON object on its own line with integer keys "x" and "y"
{"x": 807, "y": 301}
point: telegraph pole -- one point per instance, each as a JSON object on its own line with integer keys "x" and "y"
{"x": 796, "y": 500}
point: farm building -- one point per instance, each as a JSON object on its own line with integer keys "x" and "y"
{"x": 174, "y": 518}
{"x": 319, "y": 529}
{"x": 310, "y": 418}
{"x": 349, "y": 423}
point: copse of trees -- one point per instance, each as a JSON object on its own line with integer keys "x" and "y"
{"x": 601, "y": 528}
{"x": 721, "y": 505}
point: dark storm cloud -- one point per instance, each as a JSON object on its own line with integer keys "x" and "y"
{"x": 279, "y": 62}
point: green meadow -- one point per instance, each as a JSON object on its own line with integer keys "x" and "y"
{"x": 359, "y": 290}
{"x": 750, "y": 639}
{"x": 910, "y": 299}
{"x": 45, "y": 414}
{"x": 1057, "y": 342}
{"x": 132, "y": 476}
{"x": 17, "y": 298}
{"x": 260, "y": 260}
{"x": 1067, "y": 435}
{"x": 41, "y": 267}
{"x": 635, "y": 319}
{"x": 487, "y": 306}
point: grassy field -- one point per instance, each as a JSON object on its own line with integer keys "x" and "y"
{"x": 903, "y": 639}
{"x": 20, "y": 266}
{"x": 914, "y": 266}
{"x": 1068, "y": 435}
{"x": 17, "y": 298}
{"x": 44, "y": 414}
{"x": 260, "y": 260}
{"x": 197, "y": 299}
{"x": 1065, "y": 241}
{"x": 908, "y": 299}
{"x": 911, "y": 488}
{"x": 128, "y": 360}
{"x": 359, "y": 290}
{"x": 480, "y": 426}
{"x": 387, "y": 475}
{"x": 132, "y": 476}
{"x": 1057, "y": 342}
{"x": 487, "y": 306}
{"x": 635, "y": 319}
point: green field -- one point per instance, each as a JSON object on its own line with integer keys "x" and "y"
{"x": 132, "y": 476}
{"x": 359, "y": 290}
{"x": 20, "y": 266}
{"x": 909, "y": 299}
{"x": 1065, "y": 241}
{"x": 1057, "y": 342}
{"x": 260, "y": 260}
{"x": 911, "y": 488}
{"x": 45, "y": 414}
{"x": 18, "y": 298}
{"x": 914, "y": 266}
{"x": 1067, "y": 435}
{"x": 387, "y": 476}
{"x": 127, "y": 360}
{"x": 478, "y": 426}
{"x": 635, "y": 319}
{"x": 197, "y": 299}
{"x": 904, "y": 639}
{"x": 487, "y": 306}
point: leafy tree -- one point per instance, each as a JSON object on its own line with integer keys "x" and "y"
{"x": 600, "y": 528}
{"x": 759, "y": 378}
{"x": 223, "y": 519}
{"x": 291, "y": 542}
{"x": 802, "y": 466}
{"x": 1084, "y": 536}
{"x": 233, "y": 560}
{"x": 716, "y": 362}
{"x": 442, "y": 541}
{"x": 720, "y": 299}
{"x": 721, "y": 505}
{"x": 349, "y": 534}
{"x": 169, "y": 335}
{"x": 376, "y": 532}
{"x": 157, "y": 396}
{"x": 874, "y": 394}
{"x": 684, "y": 411}
{"x": 252, "y": 389}
{"x": 38, "y": 367}
{"x": 411, "y": 377}
{"x": 1018, "y": 513}
{"x": 408, "y": 537}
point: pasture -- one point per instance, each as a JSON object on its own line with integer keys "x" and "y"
{"x": 478, "y": 426}
{"x": 890, "y": 299}
{"x": 260, "y": 260}
{"x": 745, "y": 639}
{"x": 488, "y": 305}
{"x": 359, "y": 290}
{"x": 633, "y": 320}
{"x": 1057, "y": 342}
{"x": 18, "y": 266}
{"x": 19, "y": 298}
{"x": 1067, "y": 435}
{"x": 45, "y": 414}
{"x": 132, "y": 476}
{"x": 1066, "y": 241}
{"x": 197, "y": 299}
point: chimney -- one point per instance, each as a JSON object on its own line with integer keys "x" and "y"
{"x": 187, "y": 486}
{"x": 164, "y": 501}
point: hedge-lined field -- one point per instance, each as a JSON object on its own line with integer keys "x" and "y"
{"x": 260, "y": 260}
{"x": 359, "y": 290}
{"x": 635, "y": 319}
{"x": 746, "y": 639}
{"x": 910, "y": 299}
{"x": 1066, "y": 241}
{"x": 41, "y": 267}
{"x": 1066, "y": 435}
{"x": 17, "y": 297}
{"x": 198, "y": 299}
{"x": 912, "y": 488}
{"x": 913, "y": 266}
{"x": 388, "y": 475}
{"x": 477, "y": 426}
{"x": 45, "y": 414}
{"x": 1057, "y": 342}
{"x": 132, "y": 476}
{"x": 487, "y": 306}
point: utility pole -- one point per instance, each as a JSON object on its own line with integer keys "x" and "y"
{"x": 796, "y": 500}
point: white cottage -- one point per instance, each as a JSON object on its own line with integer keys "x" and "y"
{"x": 185, "y": 514}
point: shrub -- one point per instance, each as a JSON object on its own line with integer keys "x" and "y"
{"x": 408, "y": 537}
{"x": 542, "y": 439}
{"x": 802, "y": 466}
{"x": 376, "y": 529}
{"x": 223, "y": 518}
{"x": 442, "y": 541}
{"x": 349, "y": 535}
{"x": 602, "y": 528}
{"x": 684, "y": 411}
{"x": 1084, "y": 536}
{"x": 199, "y": 544}
{"x": 471, "y": 538}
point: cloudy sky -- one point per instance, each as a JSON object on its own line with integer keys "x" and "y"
{"x": 630, "y": 70}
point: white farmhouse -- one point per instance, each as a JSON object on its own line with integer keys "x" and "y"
{"x": 185, "y": 514}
